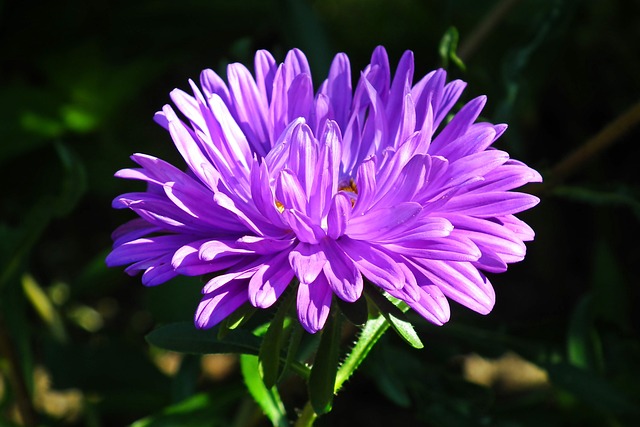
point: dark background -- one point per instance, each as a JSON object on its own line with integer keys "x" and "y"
{"x": 79, "y": 83}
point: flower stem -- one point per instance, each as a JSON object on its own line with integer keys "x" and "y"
{"x": 307, "y": 416}
{"x": 484, "y": 28}
{"x": 601, "y": 141}
{"x": 370, "y": 334}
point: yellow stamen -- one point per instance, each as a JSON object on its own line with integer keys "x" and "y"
{"x": 279, "y": 206}
{"x": 351, "y": 188}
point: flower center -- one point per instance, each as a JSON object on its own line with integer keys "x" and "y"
{"x": 350, "y": 187}
{"x": 352, "y": 191}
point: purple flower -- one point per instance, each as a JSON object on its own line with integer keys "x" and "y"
{"x": 329, "y": 188}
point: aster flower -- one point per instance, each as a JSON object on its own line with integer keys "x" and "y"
{"x": 329, "y": 188}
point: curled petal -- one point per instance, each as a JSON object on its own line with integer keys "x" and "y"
{"x": 377, "y": 223}
{"x": 219, "y": 304}
{"x": 344, "y": 278}
{"x": 491, "y": 204}
{"x": 313, "y": 303}
{"x": 338, "y": 216}
{"x": 307, "y": 261}
{"x": 461, "y": 282}
{"x": 374, "y": 263}
{"x": 270, "y": 281}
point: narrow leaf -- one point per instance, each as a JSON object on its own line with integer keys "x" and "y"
{"x": 268, "y": 399}
{"x": 583, "y": 343}
{"x": 236, "y": 319}
{"x": 448, "y": 47}
{"x": 44, "y": 307}
{"x": 370, "y": 334}
{"x": 325, "y": 367}
{"x": 272, "y": 343}
{"x": 395, "y": 316}
{"x": 183, "y": 337}
{"x": 197, "y": 410}
{"x": 295, "y": 337}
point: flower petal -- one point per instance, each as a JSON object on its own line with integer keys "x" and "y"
{"x": 459, "y": 124}
{"x": 338, "y": 216}
{"x": 250, "y": 107}
{"x": 461, "y": 282}
{"x": 265, "y": 67}
{"x": 338, "y": 89}
{"x": 144, "y": 248}
{"x": 313, "y": 304}
{"x": 289, "y": 192}
{"x": 270, "y": 281}
{"x": 304, "y": 228}
{"x": 377, "y": 223}
{"x": 488, "y": 234}
{"x": 219, "y": 304}
{"x": 432, "y": 305}
{"x": 451, "y": 248}
{"x": 373, "y": 263}
{"x": 187, "y": 261}
{"x": 491, "y": 204}
{"x": 343, "y": 276}
{"x": 307, "y": 261}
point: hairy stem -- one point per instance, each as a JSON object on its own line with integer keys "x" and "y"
{"x": 371, "y": 333}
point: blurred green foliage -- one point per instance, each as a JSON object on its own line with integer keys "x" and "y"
{"x": 79, "y": 83}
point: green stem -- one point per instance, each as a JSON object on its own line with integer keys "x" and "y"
{"x": 297, "y": 367}
{"x": 371, "y": 333}
{"x": 307, "y": 416}
{"x": 611, "y": 133}
{"x": 484, "y": 28}
{"x": 601, "y": 141}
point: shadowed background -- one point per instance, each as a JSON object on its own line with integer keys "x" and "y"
{"x": 79, "y": 83}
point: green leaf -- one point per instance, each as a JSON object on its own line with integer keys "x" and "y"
{"x": 183, "y": 337}
{"x": 236, "y": 319}
{"x": 394, "y": 313}
{"x": 583, "y": 343}
{"x": 448, "y": 47}
{"x": 272, "y": 342}
{"x": 325, "y": 367}
{"x": 393, "y": 370}
{"x": 198, "y": 410}
{"x": 74, "y": 182}
{"x": 44, "y": 307}
{"x": 267, "y": 398}
{"x": 404, "y": 328}
{"x": 370, "y": 334}
{"x": 610, "y": 287}
{"x": 295, "y": 336}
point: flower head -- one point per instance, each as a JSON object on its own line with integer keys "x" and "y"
{"x": 331, "y": 188}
